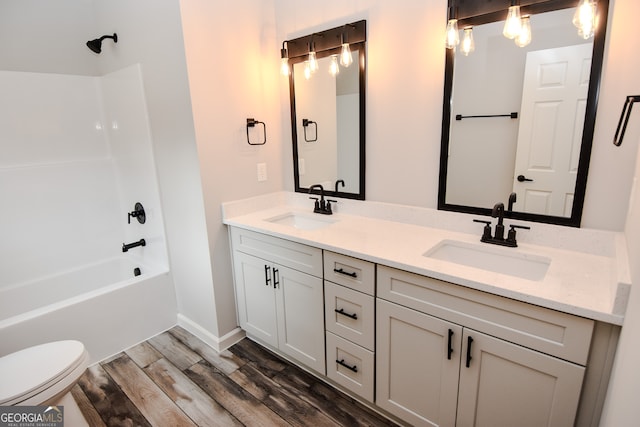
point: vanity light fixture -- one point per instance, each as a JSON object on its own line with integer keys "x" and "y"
{"x": 452, "y": 38}
{"x": 585, "y": 18}
{"x": 284, "y": 60}
{"x": 513, "y": 23}
{"x": 345, "y": 54}
{"x": 524, "y": 36}
{"x": 334, "y": 68}
{"x": 468, "y": 45}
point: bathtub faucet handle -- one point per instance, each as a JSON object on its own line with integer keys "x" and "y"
{"x": 138, "y": 213}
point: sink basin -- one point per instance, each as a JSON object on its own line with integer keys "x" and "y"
{"x": 302, "y": 221}
{"x": 489, "y": 258}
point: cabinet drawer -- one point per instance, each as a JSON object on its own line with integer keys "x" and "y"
{"x": 552, "y": 332}
{"x": 294, "y": 255}
{"x": 349, "y": 314}
{"x": 350, "y": 272}
{"x": 350, "y": 365}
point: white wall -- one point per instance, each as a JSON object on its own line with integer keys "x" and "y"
{"x": 233, "y": 66}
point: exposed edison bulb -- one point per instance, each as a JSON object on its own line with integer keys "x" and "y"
{"x": 313, "y": 62}
{"x": 468, "y": 45}
{"x": 334, "y": 68}
{"x": 307, "y": 70}
{"x": 284, "y": 66}
{"x": 585, "y": 18}
{"x": 452, "y": 37}
{"x": 513, "y": 23}
{"x": 345, "y": 55}
{"x": 524, "y": 36}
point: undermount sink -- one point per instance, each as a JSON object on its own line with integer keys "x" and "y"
{"x": 489, "y": 258}
{"x": 302, "y": 221}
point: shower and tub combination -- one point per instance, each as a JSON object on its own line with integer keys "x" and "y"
{"x": 77, "y": 156}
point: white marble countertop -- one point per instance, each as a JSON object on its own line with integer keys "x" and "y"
{"x": 588, "y": 274}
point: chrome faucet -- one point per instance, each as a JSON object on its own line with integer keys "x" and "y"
{"x": 321, "y": 206}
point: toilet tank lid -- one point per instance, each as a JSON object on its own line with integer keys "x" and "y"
{"x": 31, "y": 368}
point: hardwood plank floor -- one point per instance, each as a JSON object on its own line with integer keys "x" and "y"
{"x": 174, "y": 379}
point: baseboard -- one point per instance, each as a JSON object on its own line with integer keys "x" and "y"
{"x": 217, "y": 343}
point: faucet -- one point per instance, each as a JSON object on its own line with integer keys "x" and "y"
{"x": 498, "y": 237}
{"x": 321, "y": 206}
{"x": 127, "y": 246}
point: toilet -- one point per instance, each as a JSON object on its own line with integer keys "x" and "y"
{"x": 43, "y": 375}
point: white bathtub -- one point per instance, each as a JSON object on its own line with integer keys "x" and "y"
{"x": 103, "y": 305}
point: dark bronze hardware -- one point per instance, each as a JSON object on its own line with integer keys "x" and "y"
{"x": 353, "y": 368}
{"x": 276, "y": 278}
{"x": 127, "y": 246}
{"x": 513, "y": 115}
{"x": 305, "y": 124}
{"x": 522, "y": 178}
{"x": 469, "y": 342}
{"x": 346, "y": 273}
{"x": 251, "y": 123}
{"x": 138, "y": 213}
{"x": 450, "y": 348}
{"x": 353, "y": 316}
{"x": 624, "y": 119}
{"x": 267, "y": 276}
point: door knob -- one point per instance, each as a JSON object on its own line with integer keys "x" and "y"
{"x": 522, "y": 178}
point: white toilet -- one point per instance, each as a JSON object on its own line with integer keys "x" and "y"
{"x": 43, "y": 375}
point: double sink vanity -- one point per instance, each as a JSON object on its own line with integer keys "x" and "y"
{"x": 405, "y": 309}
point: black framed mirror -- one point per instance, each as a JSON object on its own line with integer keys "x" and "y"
{"x": 492, "y": 117}
{"x": 328, "y": 112}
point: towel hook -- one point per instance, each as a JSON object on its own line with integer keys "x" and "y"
{"x": 624, "y": 119}
{"x": 251, "y": 122}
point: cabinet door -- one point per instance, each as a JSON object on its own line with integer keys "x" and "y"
{"x": 300, "y": 307}
{"x": 509, "y": 385}
{"x": 256, "y": 297}
{"x": 416, "y": 377}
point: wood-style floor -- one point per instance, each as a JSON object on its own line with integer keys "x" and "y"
{"x": 174, "y": 379}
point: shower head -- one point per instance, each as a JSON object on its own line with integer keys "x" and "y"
{"x": 96, "y": 44}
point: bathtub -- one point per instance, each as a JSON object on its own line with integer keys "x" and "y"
{"x": 104, "y": 305}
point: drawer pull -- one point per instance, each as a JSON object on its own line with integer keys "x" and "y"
{"x": 469, "y": 342}
{"x": 351, "y": 368}
{"x": 276, "y": 278}
{"x": 353, "y": 316}
{"x": 346, "y": 273}
{"x": 267, "y": 276}
{"x": 450, "y": 348}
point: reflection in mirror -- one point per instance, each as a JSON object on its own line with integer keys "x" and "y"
{"x": 541, "y": 152}
{"x": 327, "y": 110}
{"x": 327, "y": 113}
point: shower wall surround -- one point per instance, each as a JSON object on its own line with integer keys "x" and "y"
{"x": 76, "y": 157}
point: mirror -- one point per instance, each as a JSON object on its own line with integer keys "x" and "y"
{"x": 520, "y": 120}
{"x": 328, "y": 121}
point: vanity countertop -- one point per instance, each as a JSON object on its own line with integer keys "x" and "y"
{"x": 584, "y": 283}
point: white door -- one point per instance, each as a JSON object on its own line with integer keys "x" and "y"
{"x": 416, "y": 377}
{"x": 509, "y": 385}
{"x": 256, "y": 297}
{"x": 554, "y": 98}
{"x": 300, "y": 308}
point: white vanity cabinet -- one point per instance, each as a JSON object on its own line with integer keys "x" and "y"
{"x": 349, "y": 290}
{"x": 448, "y": 355}
{"x": 279, "y": 295}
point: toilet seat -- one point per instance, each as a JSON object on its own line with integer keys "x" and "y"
{"x": 37, "y": 375}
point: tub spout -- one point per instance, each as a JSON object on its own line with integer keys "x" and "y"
{"x": 127, "y": 246}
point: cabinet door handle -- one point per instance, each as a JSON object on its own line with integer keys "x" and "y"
{"x": 276, "y": 278}
{"x": 346, "y": 273}
{"x": 449, "y": 347}
{"x": 469, "y": 342}
{"x": 354, "y": 316}
{"x": 267, "y": 276}
{"x": 353, "y": 368}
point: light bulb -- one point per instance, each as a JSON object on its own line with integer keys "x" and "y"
{"x": 345, "y": 55}
{"x": 307, "y": 70}
{"x": 284, "y": 66}
{"x": 513, "y": 23}
{"x": 313, "y": 62}
{"x": 524, "y": 36}
{"x": 468, "y": 45}
{"x": 452, "y": 36}
{"x": 334, "y": 68}
{"x": 585, "y": 18}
